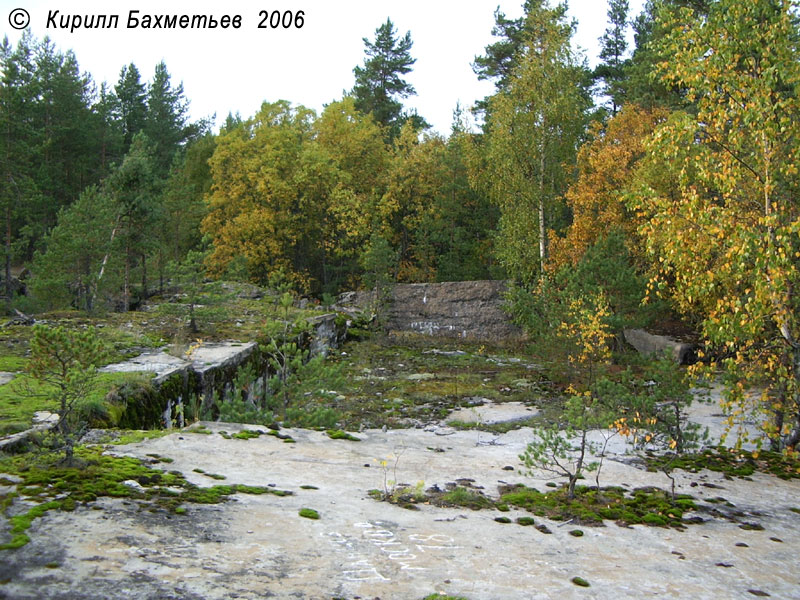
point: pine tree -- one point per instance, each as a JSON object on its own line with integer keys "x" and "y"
{"x": 380, "y": 84}
{"x": 611, "y": 71}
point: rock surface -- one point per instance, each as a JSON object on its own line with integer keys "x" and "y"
{"x": 258, "y": 546}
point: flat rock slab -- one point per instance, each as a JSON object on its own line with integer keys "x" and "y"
{"x": 205, "y": 357}
{"x": 159, "y": 363}
{"x": 6, "y": 377}
{"x": 211, "y": 355}
{"x": 493, "y": 413}
{"x": 258, "y": 546}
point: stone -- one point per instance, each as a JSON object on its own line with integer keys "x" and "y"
{"x": 43, "y": 417}
{"x": 648, "y": 343}
{"x": 420, "y": 376}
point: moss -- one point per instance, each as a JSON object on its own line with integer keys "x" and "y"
{"x": 438, "y": 596}
{"x": 308, "y": 513}
{"x": 43, "y": 478}
{"x": 254, "y": 489}
{"x": 21, "y": 523}
{"x": 731, "y": 462}
{"x": 462, "y": 496}
{"x": 594, "y": 506}
{"x": 201, "y": 429}
{"x": 580, "y": 581}
{"x": 338, "y": 434}
{"x": 502, "y": 519}
{"x": 308, "y": 487}
{"x": 525, "y": 521}
{"x": 576, "y": 533}
{"x": 248, "y": 434}
{"x": 180, "y": 510}
{"x": 654, "y": 519}
{"x": 136, "y": 436}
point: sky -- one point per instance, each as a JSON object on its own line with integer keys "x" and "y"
{"x": 235, "y": 70}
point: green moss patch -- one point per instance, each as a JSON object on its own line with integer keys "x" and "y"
{"x": 308, "y": 513}
{"x": 580, "y": 581}
{"x": 45, "y": 481}
{"x": 650, "y": 506}
{"x": 731, "y": 462}
{"x": 201, "y": 429}
{"x": 462, "y": 496}
{"x": 338, "y": 434}
{"x": 247, "y": 434}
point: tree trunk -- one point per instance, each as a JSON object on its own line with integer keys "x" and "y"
{"x": 8, "y": 257}
{"x": 126, "y": 298}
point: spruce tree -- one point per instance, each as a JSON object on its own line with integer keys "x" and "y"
{"x": 131, "y": 103}
{"x": 166, "y": 120}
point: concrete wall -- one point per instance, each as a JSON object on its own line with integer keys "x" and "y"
{"x": 458, "y": 309}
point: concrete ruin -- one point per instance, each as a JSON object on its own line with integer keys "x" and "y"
{"x": 471, "y": 310}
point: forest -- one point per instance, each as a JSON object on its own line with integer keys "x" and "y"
{"x": 660, "y": 185}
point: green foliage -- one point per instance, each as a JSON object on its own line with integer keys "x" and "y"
{"x": 611, "y": 70}
{"x": 605, "y": 271}
{"x": 531, "y": 133}
{"x": 188, "y": 275}
{"x": 723, "y": 238}
{"x": 379, "y": 262}
{"x": 312, "y": 417}
{"x": 243, "y": 406}
{"x": 78, "y": 250}
{"x": 66, "y": 362}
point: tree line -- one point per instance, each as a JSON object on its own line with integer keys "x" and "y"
{"x": 666, "y": 173}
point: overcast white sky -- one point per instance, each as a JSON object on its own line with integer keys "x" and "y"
{"x": 235, "y": 70}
